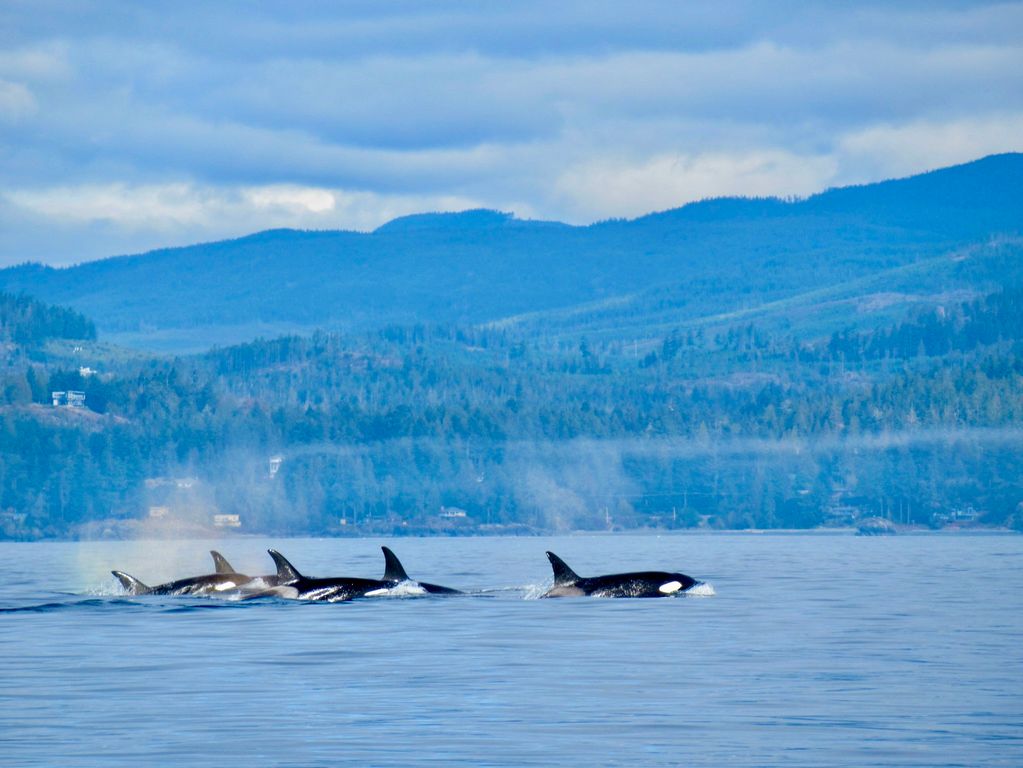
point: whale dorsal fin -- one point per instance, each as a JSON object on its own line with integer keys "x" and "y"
{"x": 563, "y": 575}
{"x": 220, "y": 563}
{"x": 393, "y": 569}
{"x": 286, "y": 572}
{"x": 130, "y": 583}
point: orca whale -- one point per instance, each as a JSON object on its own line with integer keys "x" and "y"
{"x": 224, "y": 579}
{"x": 292, "y": 584}
{"x": 640, "y": 584}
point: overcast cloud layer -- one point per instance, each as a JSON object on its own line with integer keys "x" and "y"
{"x": 128, "y": 126}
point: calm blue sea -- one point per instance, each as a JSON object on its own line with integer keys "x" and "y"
{"x": 816, "y": 650}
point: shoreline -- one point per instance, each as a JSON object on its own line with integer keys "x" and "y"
{"x": 219, "y": 535}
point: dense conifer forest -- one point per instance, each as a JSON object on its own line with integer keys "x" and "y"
{"x": 460, "y": 429}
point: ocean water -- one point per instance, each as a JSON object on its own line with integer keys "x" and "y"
{"x": 815, "y": 650}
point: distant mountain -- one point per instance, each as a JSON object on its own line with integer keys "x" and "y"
{"x": 706, "y": 258}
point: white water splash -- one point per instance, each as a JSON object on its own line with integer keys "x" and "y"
{"x": 535, "y": 591}
{"x": 703, "y": 589}
{"x": 403, "y": 589}
{"x": 108, "y": 588}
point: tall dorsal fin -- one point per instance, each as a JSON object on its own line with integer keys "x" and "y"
{"x": 220, "y": 563}
{"x": 563, "y": 575}
{"x": 393, "y": 570}
{"x": 131, "y": 585}
{"x": 286, "y": 572}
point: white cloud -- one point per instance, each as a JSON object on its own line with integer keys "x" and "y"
{"x": 152, "y": 206}
{"x": 613, "y": 186}
{"x": 16, "y": 101}
{"x": 889, "y": 150}
{"x": 45, "y": 62}
{"x": 603, "y": 188}
{"x": 291, "y": 198}
{"x": 205, "y": 212}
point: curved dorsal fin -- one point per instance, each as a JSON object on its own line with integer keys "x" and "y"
{"x": 286, "y": 572}
{"x": 131, "y": 585}
{"x": 220, "y": 563}
{"x": 393, "y": 570}
{"x": 562, "y": 573}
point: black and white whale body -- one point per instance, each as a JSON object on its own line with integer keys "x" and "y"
{"x": 640, "y": 584}
{"x": 224, "y": 579}
{"x": 292, "y": 584}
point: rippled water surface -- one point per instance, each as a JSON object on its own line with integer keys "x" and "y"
{"x": 815, "y": 650}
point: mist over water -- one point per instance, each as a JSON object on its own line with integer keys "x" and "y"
{"x": 571, "y": 484}
{"x": 814, "y": 650}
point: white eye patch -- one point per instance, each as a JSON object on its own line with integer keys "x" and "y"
{"x": 670, "y": 587}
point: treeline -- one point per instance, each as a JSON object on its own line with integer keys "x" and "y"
{"x": 317, "y": 395}
{"x": 937, "y": 332}
{"x": 26, "y": 321}
{"x": 959, "y": 327}
{"x": 390, "y": 431}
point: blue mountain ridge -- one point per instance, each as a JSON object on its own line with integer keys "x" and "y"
{"x": 481, "y": 266}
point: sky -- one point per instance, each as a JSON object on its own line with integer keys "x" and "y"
{"x": 127, "y": 126}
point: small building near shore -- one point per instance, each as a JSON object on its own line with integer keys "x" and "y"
{"x": 275, "y": 464}
{"x": 68, "y": 399}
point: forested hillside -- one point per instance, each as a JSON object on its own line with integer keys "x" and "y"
{"x": 457, "y": 429}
